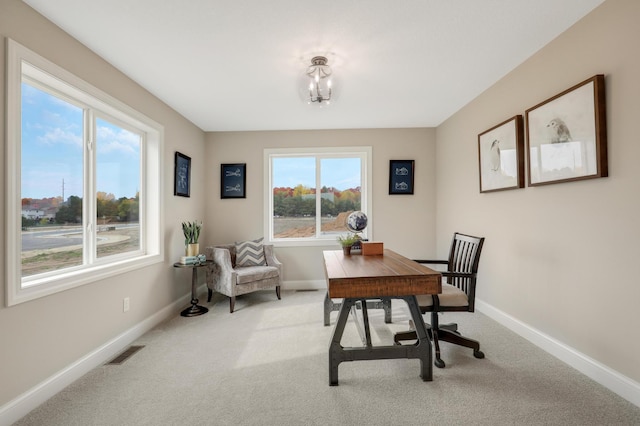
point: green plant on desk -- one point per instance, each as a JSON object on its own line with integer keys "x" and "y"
{"x": 347, "y": 240}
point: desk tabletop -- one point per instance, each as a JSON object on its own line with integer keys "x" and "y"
{"x": 389, "y": 274}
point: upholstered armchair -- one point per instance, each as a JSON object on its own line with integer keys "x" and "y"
{"x": 234, "y": 274}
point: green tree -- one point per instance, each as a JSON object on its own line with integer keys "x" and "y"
{"x": 71, "y": 212}
{"x": 28, "y": 222}
{"x": 127, "y": 209}
{"x": 278, "y": 203}
{"x": 327, "y": 207}
{"x": 106, "y": 208}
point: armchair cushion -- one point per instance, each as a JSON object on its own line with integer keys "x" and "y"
{"x": 250, "y": 253}
{"x": 256, "y": 273}
{"x": 450, "y": 296}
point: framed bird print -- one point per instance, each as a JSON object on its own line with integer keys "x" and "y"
{"x": 567, "y": 135}
{"x": 501, "y": 156}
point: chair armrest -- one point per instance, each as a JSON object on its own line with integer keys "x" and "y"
{"x": 446, "y": 274}
{"x": 221, "y": 257}
{"x": 437, "y": 262}
{"x": 221, "y": 275}
{"x": 457, "y": 274}
{"x": 272, "y": 260}
{"x": 468, "y": 283}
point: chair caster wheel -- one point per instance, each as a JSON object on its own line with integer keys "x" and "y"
{"x": 439, "y": 363}
{"x": 478, "y": 354}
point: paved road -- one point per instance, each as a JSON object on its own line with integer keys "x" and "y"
{"x": 54, "y": 238}
{"x": 40, "y": 240}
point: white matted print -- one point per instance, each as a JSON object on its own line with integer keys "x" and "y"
{"x": 566, "y": 135}
{"x": 501, "y": 156}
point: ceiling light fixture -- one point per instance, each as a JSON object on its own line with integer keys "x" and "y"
{"x": 319, "y": 81}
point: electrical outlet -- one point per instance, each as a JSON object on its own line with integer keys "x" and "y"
{"x": 125, "y": 304}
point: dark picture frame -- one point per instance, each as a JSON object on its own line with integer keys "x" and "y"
{"x": 567, "y": 135}
{"x": 182, "y": 175}
{"x": 501, "y": 156}
{"x": 401, "y": 174}
{"x": 233, "y": 180}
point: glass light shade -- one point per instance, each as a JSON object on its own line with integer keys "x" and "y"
{"x": 318, "y": 87}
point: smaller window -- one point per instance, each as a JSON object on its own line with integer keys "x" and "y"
{"x": 310, "y": 192}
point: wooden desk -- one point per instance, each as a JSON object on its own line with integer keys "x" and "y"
{"x": 357, "y": 278}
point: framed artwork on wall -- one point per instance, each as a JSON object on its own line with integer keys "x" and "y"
{"x": 233, "y": 180}
{"x": 182, "y": 175}
{"x": 567, "y": 135}
{"x": 401, "y": 176}
{"x": 501, "y": 156}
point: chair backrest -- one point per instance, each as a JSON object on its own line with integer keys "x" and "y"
{"x": 464, "y": 258}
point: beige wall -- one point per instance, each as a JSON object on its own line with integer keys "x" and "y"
{"x": 41, "y": 337}
{"x": 560, "y": 258}
{"x": 232, "y": 220}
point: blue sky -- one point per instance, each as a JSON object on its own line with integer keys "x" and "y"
{"x": 340, "y": 173}
{"x": 52, "y": 150}
{"x": 52, "y": 154}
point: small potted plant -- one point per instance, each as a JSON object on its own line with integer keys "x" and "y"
{"x": 346, "y": 241}
{"x": 191, "y": 232}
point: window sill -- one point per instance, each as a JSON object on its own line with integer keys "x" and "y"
{"x": 61, "y": 282}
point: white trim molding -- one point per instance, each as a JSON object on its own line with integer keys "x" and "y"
{"x": 606, "y": 376}
{"x": 23, "y": 404}
{"x": 304, "y": 285}
{"x": 24, "y": 66}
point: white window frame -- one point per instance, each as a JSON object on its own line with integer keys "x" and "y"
{"x": 22, "y": 61}
{"x": 364, "y": 152}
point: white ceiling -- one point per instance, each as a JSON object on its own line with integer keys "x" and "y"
{"x": 235, "y": 64}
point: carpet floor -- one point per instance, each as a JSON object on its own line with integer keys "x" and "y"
{"x": 267, "y": 364}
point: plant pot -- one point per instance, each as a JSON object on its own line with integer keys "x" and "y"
{"x": 193, "y": 249}
{"x": 346, "y": 250}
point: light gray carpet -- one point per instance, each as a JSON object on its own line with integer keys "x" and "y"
{"x": 267, "y": 364}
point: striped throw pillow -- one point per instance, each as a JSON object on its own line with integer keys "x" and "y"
{"x": 250, "y": 253}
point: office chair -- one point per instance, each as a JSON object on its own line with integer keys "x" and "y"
{"x": 458, "y": 295}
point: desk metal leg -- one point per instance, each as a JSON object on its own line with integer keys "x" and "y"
{"x": 336, "y": 351}
{"x": 423, "y": 344}
{"x": 362, "y": 321}
{"x": 421, "y": 350}
{"x": 386, "y": 305}
{"x": 329, "y": 307}
{"x": 383, "y": 303}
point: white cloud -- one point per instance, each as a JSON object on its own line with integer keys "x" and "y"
{"x": 122, "y": 141}
{"x": 55, "y": 135}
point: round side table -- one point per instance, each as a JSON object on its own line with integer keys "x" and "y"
{"x": 194, "y": 309}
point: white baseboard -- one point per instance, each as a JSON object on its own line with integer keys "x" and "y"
{"x": 20, "y": 406}
{"x": 304, "y": 285}
{"x": 607, "y": 377}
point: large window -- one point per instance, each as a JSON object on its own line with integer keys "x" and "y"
{"x": 83, "y": 191}
{"x": 310, "y": 192}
